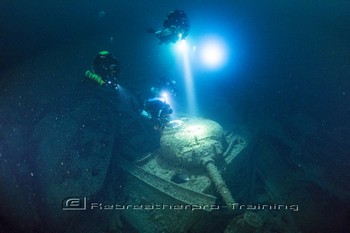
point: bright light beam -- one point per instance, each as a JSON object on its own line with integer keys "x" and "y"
{"x": 191, "y": 96}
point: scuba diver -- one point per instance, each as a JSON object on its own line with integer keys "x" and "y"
{"x": 176, "y": 26}
{"x": 105, "y": 69}
{"x": 158, "y": 111}
{"x": 156, "y": 108}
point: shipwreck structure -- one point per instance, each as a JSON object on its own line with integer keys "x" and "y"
{"x": 181, "y": 182}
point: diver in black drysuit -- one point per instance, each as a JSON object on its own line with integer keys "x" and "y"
{"x": 158, "y": 111}
{"x": 175, "y": 27}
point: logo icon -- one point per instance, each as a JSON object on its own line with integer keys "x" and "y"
{"x": 74, "y": 203}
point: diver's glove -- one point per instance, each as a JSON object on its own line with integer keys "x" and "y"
{"x": 146, "y": 114}
{"x": 111, "y": 84}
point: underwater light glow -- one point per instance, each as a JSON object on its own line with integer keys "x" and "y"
{"x": 182, "y": 46}
{"x": 213, "y": 53}
{"x": 165, "y": 96}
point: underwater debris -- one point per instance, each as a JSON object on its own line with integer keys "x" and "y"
{"x": 180, "y": 177}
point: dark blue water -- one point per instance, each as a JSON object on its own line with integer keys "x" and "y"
{"x": 286, "y": 77}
